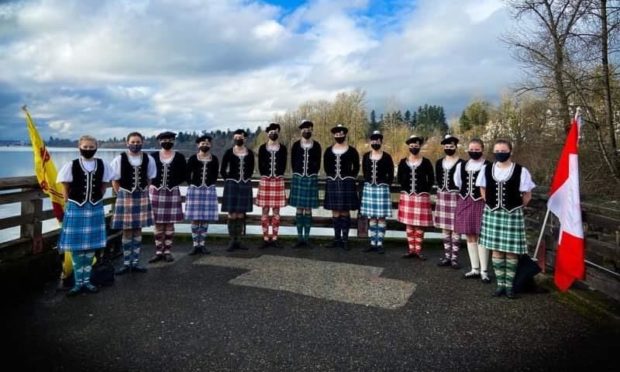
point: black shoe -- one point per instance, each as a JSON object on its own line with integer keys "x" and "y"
{"x": 499, "y": 292}
{"x": 204, "y": 250}
{"x": 471, "y": 275}
{"x": 370, "y": 248}
{"x": 139, "y": 269}
{"x": 90, "y": 288}
{"x": 444, "y": 262}
{"x": 510, "y": 294}
{"x": 266, "y": 244}
{"x": 308, "y": 244}
{"x": 345, "y": 245}
{"x": 276, "y": 244}
{"x": 409, "y": 255}
{"x": 196, "y": 251}
{"x": 485, "y": 278}
{"x": 299, "y": 244}
{"x": 74, "y": 291}
{"x": 241, "y": 247}
{"x": 420, "y": 256}
{"x": 231, "y": 246}
{"x": 168, "y": 257}
{"x": 455, "y": 265}
{"x": 334, "y": 244}
{"x": 123, "y": 270}
{"x": 380, "y": 249}
{"x": 156, "y": 258}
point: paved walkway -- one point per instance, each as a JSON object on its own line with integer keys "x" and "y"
{"x": 298, "y": 310}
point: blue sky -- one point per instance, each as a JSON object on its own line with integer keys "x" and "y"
{"x": 110, "y": 67}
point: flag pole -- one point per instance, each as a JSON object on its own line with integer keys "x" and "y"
{"x": 542, "y": 231}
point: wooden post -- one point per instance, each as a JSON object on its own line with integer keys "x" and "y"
{"x": 33, "y": 229}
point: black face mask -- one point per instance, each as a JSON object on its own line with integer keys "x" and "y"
{"x": 204, "y": 148}
{"x": 134, "y": 148}
{"x": 306, "y": 135}
{"x": 475, "y": 154}
{"x": 239, "y": 142}
{"x": 449, "y": 152}
{"x": 273, "y": 136}
{"x": 376, "y": 146}
{"x": 414, "y": 150}
{"x": 87, "y": 154}
{"x": 166, "y": 145}
{"x": 502, "y": 156}
{"x": 339, "y": 139}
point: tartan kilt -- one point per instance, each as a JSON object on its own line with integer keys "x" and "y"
{"x": 444, "y": 209}
{"x": 132, "y": 210}
{"x": 376, "y": 201}
{"x": 83, "y": 227}
{"x": 201, "y": 203}
{"x": 271, "y": 192}
{"x": 167, "y": 205}
{"x": 503, "y": 231}
{"x": 415, "y": 209}
{"x": 304, "y": 191}
{"x": 468, "y": 216}
{"x": 237, "y": 197}
{"x": 341, "y": 195}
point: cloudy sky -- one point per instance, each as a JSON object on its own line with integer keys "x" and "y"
{"x": 108, "y": 67}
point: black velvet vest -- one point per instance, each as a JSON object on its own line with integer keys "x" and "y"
{"x": 86, "y": 186}
{"x": 468, "y": 182}
{"x": 504, "y": 194}
{"x": 133, "y": 178}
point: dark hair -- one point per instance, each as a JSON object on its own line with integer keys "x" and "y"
{"x": 135, "y": 134}
{"x": 502, "y": 141}
{"x": 478, "y": 141}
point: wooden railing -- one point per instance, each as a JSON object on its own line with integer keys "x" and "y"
{"x": 602, "y": 225}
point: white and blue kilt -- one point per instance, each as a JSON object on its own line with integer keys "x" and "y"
{"x": 376, "y": 201}
{"x": 341, "y": 195}
{"x": 83, "y": 228}
{"x": 237, "y": 197}
{"x": 167, "y": 205}
{"x": 132, "y": 210}
{"x": 445, "y": 206}
{"x": 304, "y": 191}
{"x": 503, "y": 231}
{"x": 201, "y": 203}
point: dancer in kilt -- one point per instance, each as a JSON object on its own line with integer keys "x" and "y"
{"x": 305, "y": 162}
{"x": 237, "y": 168}
{"x": 416, "y": 178}
{"x": 271, "y": 195}
{"x": 469, "y": 207}
{"x": 84, "y": 183}
{"x": 506, "y": 188}
{"x": 133, "y": 171}
{"x": 166, "y": 196}
{"x": 447, "y": 193}
{"x": 201, "y": 201}
{"x": 378, "y": 169}
{"x": 342, "y": 164}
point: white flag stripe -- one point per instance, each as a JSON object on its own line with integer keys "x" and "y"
{"x": 565, "y": 202}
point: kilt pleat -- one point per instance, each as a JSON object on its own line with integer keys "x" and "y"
{"x": 376, "y": 201}
{"x": 444, "y": 209}
{"x": 237, "y": 197}
{"x": 201, "y": 203}
{"x": 167, "y": 205}
{"x": 341, "y": 195}
{"x": 468, "y": 216}
{"x": 132, "y": 210}
{"x": 415, "y": 209}
{"x": 503, "y": 231}
{"x": 271, "y": 192}
{"x": 83, "y": 228}
{"x": 304, "y": 192}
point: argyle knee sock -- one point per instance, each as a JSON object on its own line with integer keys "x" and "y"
{"x": 136, "y": 247}
{"x": 499, "y": 266}
{"x": 160, "y": 232}
{"x": 456, "y": 246}
{"x": 299, "y": 223}
{"x": 380, "y": 232}
{"x": 77, "y": 260}
{"x": 264, "y": 223}
{"x": 474, "y": 260}
{"x": 87, "y": 265}
{"x": 372, "y": 231}
{"x": 168, "y": 237}
{"x": 275, "y": 226}
{"x": 127, "y": 245}
{"x": 196, "y": 233}
{"x": 511, "y": 270}
{"x": 418, "y": 238}
{"x": 411, "y": 248}
{"x": 307, "y": 225}
{"x": 447, "y": 244}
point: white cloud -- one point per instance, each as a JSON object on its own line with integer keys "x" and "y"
{"x": 107, "y": 67}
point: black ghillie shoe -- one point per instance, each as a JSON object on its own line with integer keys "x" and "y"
{"x": 158, "y": 257}
{"x": 123, "y": 270}
{"x": 511, "y": 294}
{"x": 499, "y": 292}
{"x": 196, "y": 250}
{"x": 444, "y": 262}
{"x": 139, "y": 269}
{"x": 471, "y": 275}
{"x": 168, "y": 257}
{"x": 370, "y": 248}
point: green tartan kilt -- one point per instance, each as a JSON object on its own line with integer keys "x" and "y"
{"x": 304, "y": 191}
{"x": 503, "y": 231}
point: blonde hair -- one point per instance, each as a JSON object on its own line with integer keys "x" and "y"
{"x": 89, "y": 138}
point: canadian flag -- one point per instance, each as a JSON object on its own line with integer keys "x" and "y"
{"x": 565, "y": 203}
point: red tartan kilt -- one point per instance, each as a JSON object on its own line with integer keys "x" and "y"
{"x": 415, "y": 210}
{"x": 271, "y": 192}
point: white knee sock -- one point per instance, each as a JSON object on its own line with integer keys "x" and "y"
{"x": 472, "y": 249}
{"x": 483, "y": 253}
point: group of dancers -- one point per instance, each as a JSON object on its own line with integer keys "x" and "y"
{"x": 475, "y": 197}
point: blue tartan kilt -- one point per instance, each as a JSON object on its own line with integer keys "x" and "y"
{"x": 83, "y": 228}
{"x": 503, "y": 231}
{"x": 201, "y": 203}
{"x": 237, "y": 197}
{"x": 341, "y": 195}
{"x": 304, "y": 191}
{"x": 376, "y": 201}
